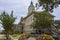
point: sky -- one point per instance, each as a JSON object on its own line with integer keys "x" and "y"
{"x": 20, "y": 8}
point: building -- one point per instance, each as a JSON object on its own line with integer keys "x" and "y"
{"x": 28, "y": 20}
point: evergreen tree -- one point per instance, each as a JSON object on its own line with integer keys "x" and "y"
{"x": 7, "y": 22}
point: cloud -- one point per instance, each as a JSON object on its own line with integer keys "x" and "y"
{"x": 20, "y": 7}
{"x": 10, "y": 1}
{"x": 56, "y": 13}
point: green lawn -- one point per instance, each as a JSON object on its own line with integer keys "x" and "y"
{"x": 15, "y": 35}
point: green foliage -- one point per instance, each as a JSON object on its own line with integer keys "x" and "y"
{"x": 57, "y": 22}
{"x": 42, "y": 20}
{"x": 7, "y": 21}
{"x": 49, "y": 5}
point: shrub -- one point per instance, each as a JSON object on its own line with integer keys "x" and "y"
{"x": 46, "y": 37}
{"x": 24, "y": 35}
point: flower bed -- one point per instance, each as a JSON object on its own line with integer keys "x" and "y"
{"x": 45, "y": 37}
{"x": 24, "y": 36}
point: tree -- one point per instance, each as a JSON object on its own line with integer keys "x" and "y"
{"x": 58, "y": 23}
{"x": 48, "y": 5}
{"x": 7, "y": 22}
{"x": 42, "y": 20}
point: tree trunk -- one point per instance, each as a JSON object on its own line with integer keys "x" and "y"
{"x": 7, "y": 37}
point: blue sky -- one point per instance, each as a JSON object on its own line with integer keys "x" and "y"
{"x": 20, "y": 8}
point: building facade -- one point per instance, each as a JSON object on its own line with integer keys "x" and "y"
{"x": 27, "y": 21}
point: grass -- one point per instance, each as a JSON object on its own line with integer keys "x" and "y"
{"x": 15, "y": 35}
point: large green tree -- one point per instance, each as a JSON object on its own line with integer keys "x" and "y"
{"x": 7, "y": 22}
{"x": 42, "y": 20}
{"x": 48, "y": 5}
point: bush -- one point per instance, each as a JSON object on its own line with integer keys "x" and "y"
{"x": 24, "y": 35}
{"x": 46, "y": 37}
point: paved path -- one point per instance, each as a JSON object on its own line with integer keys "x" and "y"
{"x": 31, "y": 38}
{"x": 13, "y": 38}
{"x": 2, "y": 37}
